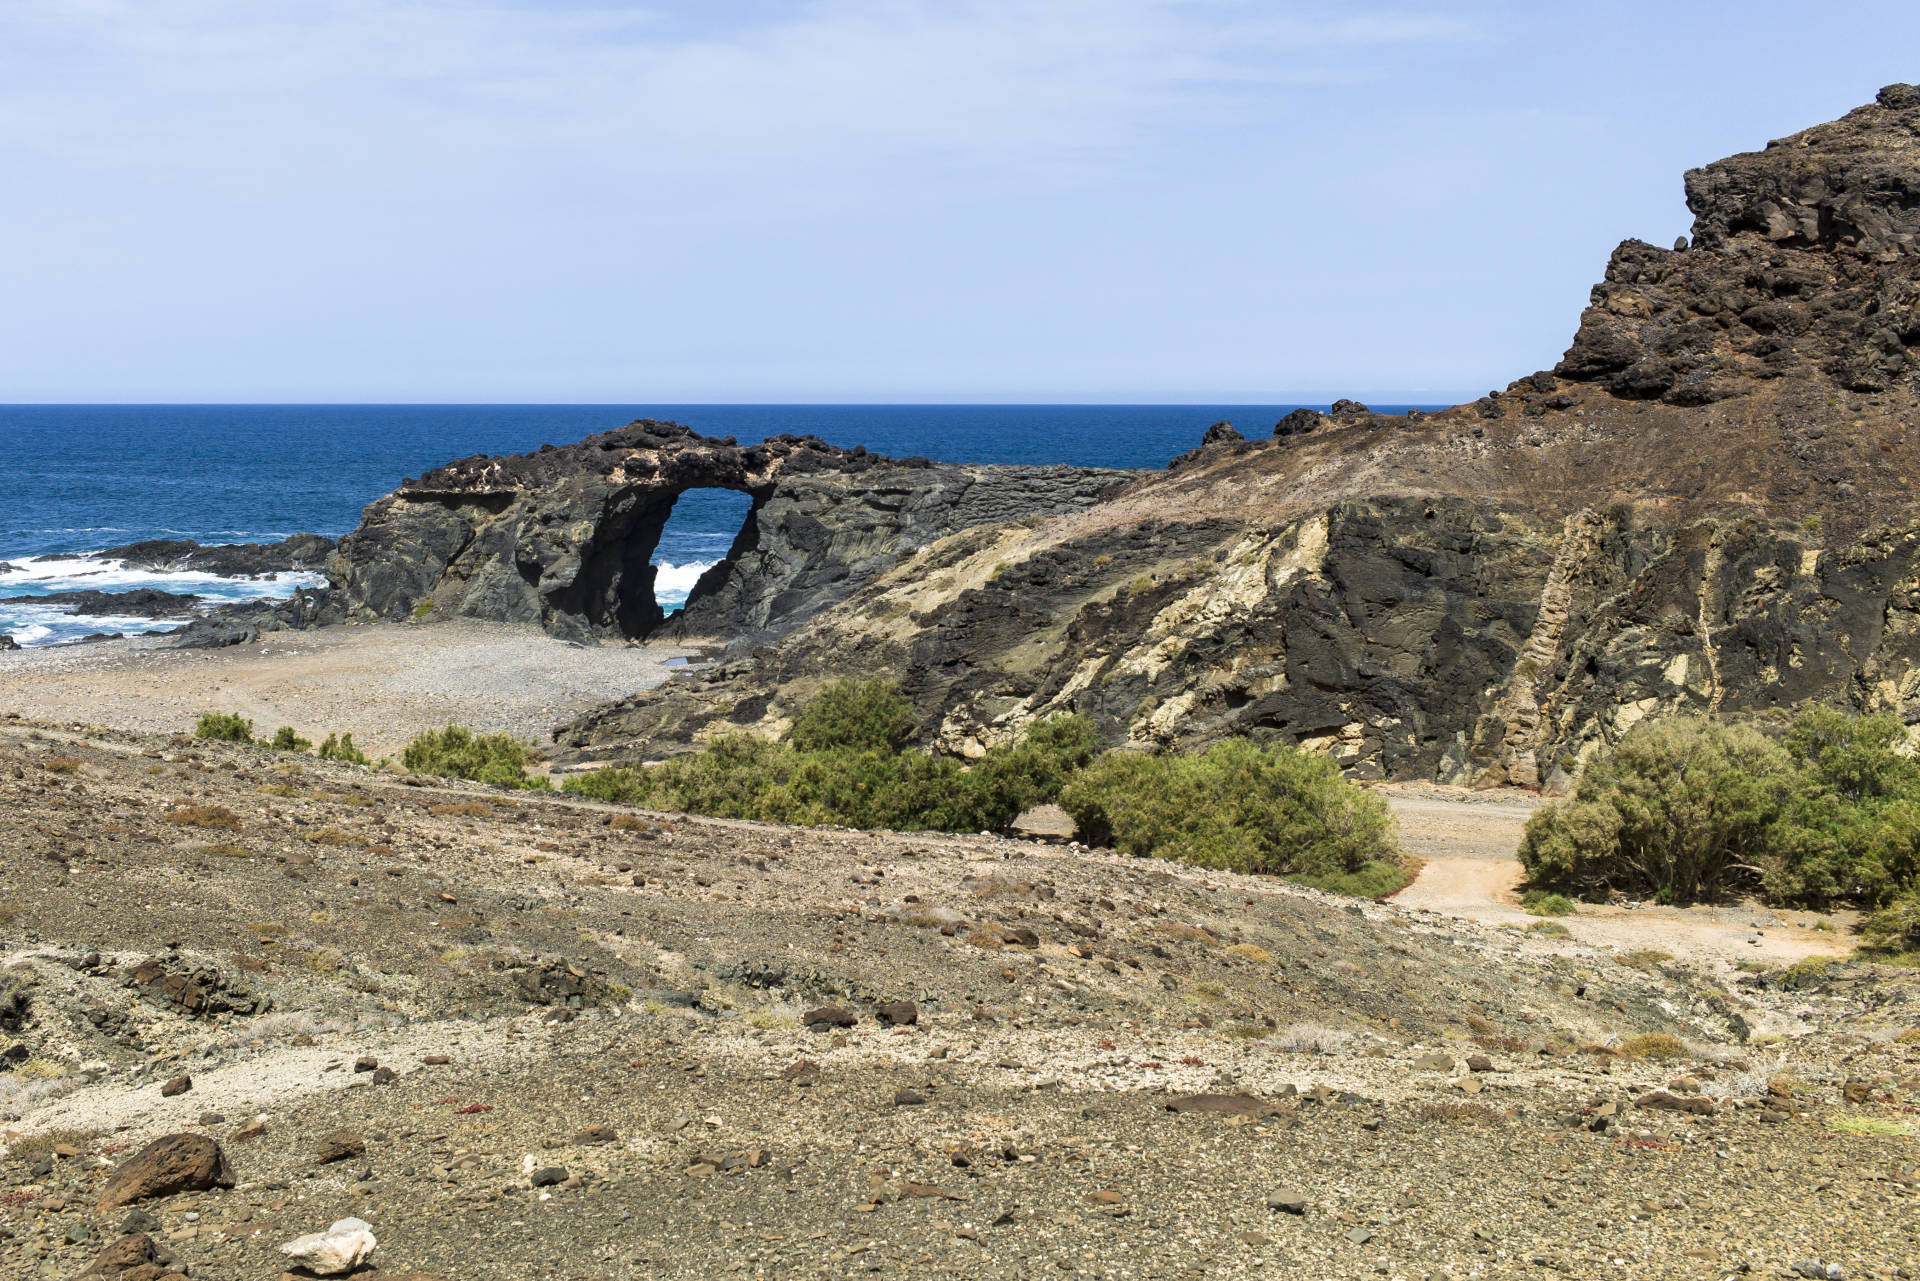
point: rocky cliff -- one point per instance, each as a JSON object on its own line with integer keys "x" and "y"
{"x": 1708, "y": 505}
{"x": 565, "y": 537}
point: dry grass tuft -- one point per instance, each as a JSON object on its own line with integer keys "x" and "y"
{"x": 203, "y": 816}
{"x": 332, "y": 836}
{"x": 1657, "y": 1047}
{"x": 464, "y": 809}
{"x": 62, "y": 765}
{"x": 1252, "y": 952}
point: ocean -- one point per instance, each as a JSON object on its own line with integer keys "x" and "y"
{"x": 82, "y": 478}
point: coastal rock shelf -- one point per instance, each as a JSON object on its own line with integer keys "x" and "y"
{"x": 565, "y": 537}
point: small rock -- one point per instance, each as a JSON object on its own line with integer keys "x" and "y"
{"x": 365, "y": 1063}
{"x": 213, "y": 1118}
{"x": 340, "y": 1145}
{"x": 139, "y": 1221}
{"x": 437, "y": 1060}
{"x": 1696, "y": 1104}
{"x": 1434, "y": 1063}
{"x": 384, "y": 1076}
{"x": 1224, "y": 1104}
{"x": 828, "y": 1017}
{"x": 343, "y": 1247}
{"x": 898, "y": 1014}
{"x": 908, "y": 1098}
{"x": 596, "y": 1134}
{"x": 251, "y": 1130}
{"x": 1288, "y": 1201}
{"x": 1479, "y": 1063}
{"x": 177, "y": 1086}
{"x": 552, "y": 1176}
{"x": 134, "y": 1250}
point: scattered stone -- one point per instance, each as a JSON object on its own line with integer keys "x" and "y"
{"x": 1435, "y": 1062}
{"x": 177, "y": 1086}
{"x": 251, "y": 1130}
{"x": 596, "y": 1134}
{"x": 339, "y": 1145}
{"x": 170, "y": 1164}
{"x": 908, "y": 1098}
{"x": 1288, "y": 1201}
{"x": 1696, "y": 1104}
{"x": 138, "y": 1220}
{"x": 801, "y": 1072}
{"x": 1479, "y": 1063}
{"x": 344, "y": 1246}
{"x": 365, "y": 1063}
{"x": 828, "y": 1017}
{"x": 898, "y": 1014}
{"x": 437, "y": 1060}
{"x": 384, "y": 1075}
{"x": 552, "y": 1176}
{"x": 1225, "y": 1105}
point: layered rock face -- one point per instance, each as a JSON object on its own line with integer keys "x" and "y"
{"x": 1707, "y": 506}
{"x": 564, "y": 537}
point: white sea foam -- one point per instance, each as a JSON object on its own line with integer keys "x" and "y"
{"x": 31, "y": 624}
{"x": 672, "y": 583}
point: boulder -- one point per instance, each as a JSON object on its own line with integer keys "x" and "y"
{"x": 170, "y": 1164}
{"x": 1298, "y": 423}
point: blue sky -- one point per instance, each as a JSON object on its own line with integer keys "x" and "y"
{"x": 1104, "y": 200}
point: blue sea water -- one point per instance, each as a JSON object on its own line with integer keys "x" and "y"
{"x": 79, "y": 478}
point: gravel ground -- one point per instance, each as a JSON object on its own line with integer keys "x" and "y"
{"x": 383, "y": 682}
{"x": 633, "y": 1087}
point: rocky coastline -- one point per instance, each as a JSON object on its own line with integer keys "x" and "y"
{"x": 1705, "y": 506}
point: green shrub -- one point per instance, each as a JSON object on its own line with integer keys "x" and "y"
{"x": 621, "y": 786}
{"x": 1242, "y": 808}
{"x": 224, "y": 727}
{"x": 1687, "y": 808}
{"x": 1236, "y": 807}
{"x": 339, "y": 747}
{"x": 285, "y": 740}
{"x": 1895, "y": 929}
{"x": 457, "y": 752}
{"x": 1545, "y": 903}
{"x": 854, "y": 716}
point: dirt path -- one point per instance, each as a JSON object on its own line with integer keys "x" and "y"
{"x": 1468, "y": 841}
{"x": 384, "y": 682}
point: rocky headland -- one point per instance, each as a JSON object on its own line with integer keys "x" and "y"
{"x": 1707, "y": 505}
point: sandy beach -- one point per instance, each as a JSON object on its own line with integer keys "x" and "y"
{"x": 382, "y": 682}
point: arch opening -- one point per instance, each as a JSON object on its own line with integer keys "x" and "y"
{"x": 700, "y": 536}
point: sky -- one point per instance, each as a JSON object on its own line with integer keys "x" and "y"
{"x": 1212, "y": 201}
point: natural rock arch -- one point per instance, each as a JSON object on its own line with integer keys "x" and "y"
{"x": 565, "y": 537}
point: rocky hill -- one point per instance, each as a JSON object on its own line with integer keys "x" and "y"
{"x": 1708, "y": 505}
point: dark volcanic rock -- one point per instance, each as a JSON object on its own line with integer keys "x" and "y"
{"x": 1801, "y": 262}
{"x": 565, "y": 537}
{"x": 143, "y": 602}
{"x": 228, "y": 560}
{"x": 1298, "y": 423}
